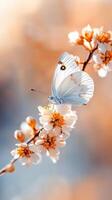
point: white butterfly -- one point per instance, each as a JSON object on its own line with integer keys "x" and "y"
{"x": 70, "y": 84}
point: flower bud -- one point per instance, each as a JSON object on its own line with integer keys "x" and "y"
{"x": 31, "y": 121}
{"x": 19, "y": 135}
{"x": 10, "y": 168}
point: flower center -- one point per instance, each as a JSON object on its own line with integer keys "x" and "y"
{"x": 107, "y": 57}
{"x": 88, "y": 36}
{"x": 24, "y": 152}
{"x": 103, "y": 37}
{"x": 57, "y": 120}
{"x": 49, "y": 142}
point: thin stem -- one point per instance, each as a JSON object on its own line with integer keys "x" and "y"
{"x": 4, "y": 169}
{"x": 89, "y": 58}
{"x": 33, "y": 138}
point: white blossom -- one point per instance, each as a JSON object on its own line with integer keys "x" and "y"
{"x": 73, "y": 37}
{"x": 102, "y": 72}
{"x": 58, "y": 117}
{"x": 103, "y": 59}
{"x": 87, "y": 31}
{"x": 27, "y": 154}
{"x": 49, "y": 143}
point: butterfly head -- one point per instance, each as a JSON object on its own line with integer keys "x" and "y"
{"x": 55, "y": 100}
{"x": 51, "y": 99}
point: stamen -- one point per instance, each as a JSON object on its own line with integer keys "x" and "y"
{"x": 57, "y": 120}
{"x": 24, "y": 152}
{"x": 49, "y": 142}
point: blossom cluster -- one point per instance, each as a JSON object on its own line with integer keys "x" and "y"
{"x": 99, "y": 43}
{"x": 56, "y": 123}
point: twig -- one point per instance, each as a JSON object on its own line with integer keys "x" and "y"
{"x": 89, "y": 58}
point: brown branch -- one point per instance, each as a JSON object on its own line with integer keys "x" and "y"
{"x": 6, "y": 169}
{"x": 89, "y": 58}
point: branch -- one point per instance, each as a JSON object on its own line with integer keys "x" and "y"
{"x": 89, "y": 58}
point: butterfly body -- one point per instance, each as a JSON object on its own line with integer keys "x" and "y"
{"x": 70, "y": 84}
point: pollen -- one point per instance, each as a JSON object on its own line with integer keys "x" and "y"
{"x": 89, "y": 36}
{"x": 24, "y": 152}
{"x": 104, "y": 37}
{"x": 57, "y": 120}
{"x": 49, "y": 142}
{"x": 107, "y": 57}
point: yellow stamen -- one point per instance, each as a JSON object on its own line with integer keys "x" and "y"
{"x": 49, "y": 142}
{"x": 88, "y": 36}
{"x": 104, "y": 37}
{"x": 57, "y": 120}
{"x": 107, "y": 57}
{"x": 24, "y": 152}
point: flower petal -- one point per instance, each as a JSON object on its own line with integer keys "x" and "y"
{"x": 34, "y": 148}
{"x": 73, "y": 36}
{"x": 86, "y": 29}
{"x": 97, "y": 59}
{"x": 14, "y": 154}
{"x": 102, "y": 47}
{"x": 48, "y": 126}
{"x": 23, "y": 161}
{"x": 63, "y": 108}
{"x": 44, "y": 119}
{"x": 98, "y": 31}
{"x": 65, "y": 135}
{"x": 36, "y": 158}
{"x": 54, "y": 155}
{"x": 26, "y": 129}
{"x": 61, "y": 143}
{"x": 103, "y": 72}
{"x": 70, "y": 121}
{"x": 110, "y": 66}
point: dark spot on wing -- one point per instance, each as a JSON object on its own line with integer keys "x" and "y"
{"x": 62, "y": 67}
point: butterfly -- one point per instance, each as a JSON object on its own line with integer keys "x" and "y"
{"x": 70, "y": 84}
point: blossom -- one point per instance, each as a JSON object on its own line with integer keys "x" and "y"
{"x": 89, "y": 41}
{"x": 102, "y": 72}
{"x": 90, "y": 37}
{"x": 98, "y": 31}
{"x": 58, "y": 117}
{"x": 87, "y": 33}
{"x": 27, "y": 154}
{"x": 28, "y": 129}
{"x": 75, "y": 38}
{"x": 86, "y": 38}
{"x": 19, "y": 135}
{"x": 31, "y": 122}
{"x": 103, "y": 59}
{"x": 49, "y": 143}
{"x": 102, "y": 36}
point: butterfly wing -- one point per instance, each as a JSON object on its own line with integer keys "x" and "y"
{"x": 70, "y": 84}
{"x": 76, "y": 89}
{"x": 68, "y": 61}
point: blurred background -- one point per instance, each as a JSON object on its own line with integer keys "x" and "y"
{"x": 32, "y": 36}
